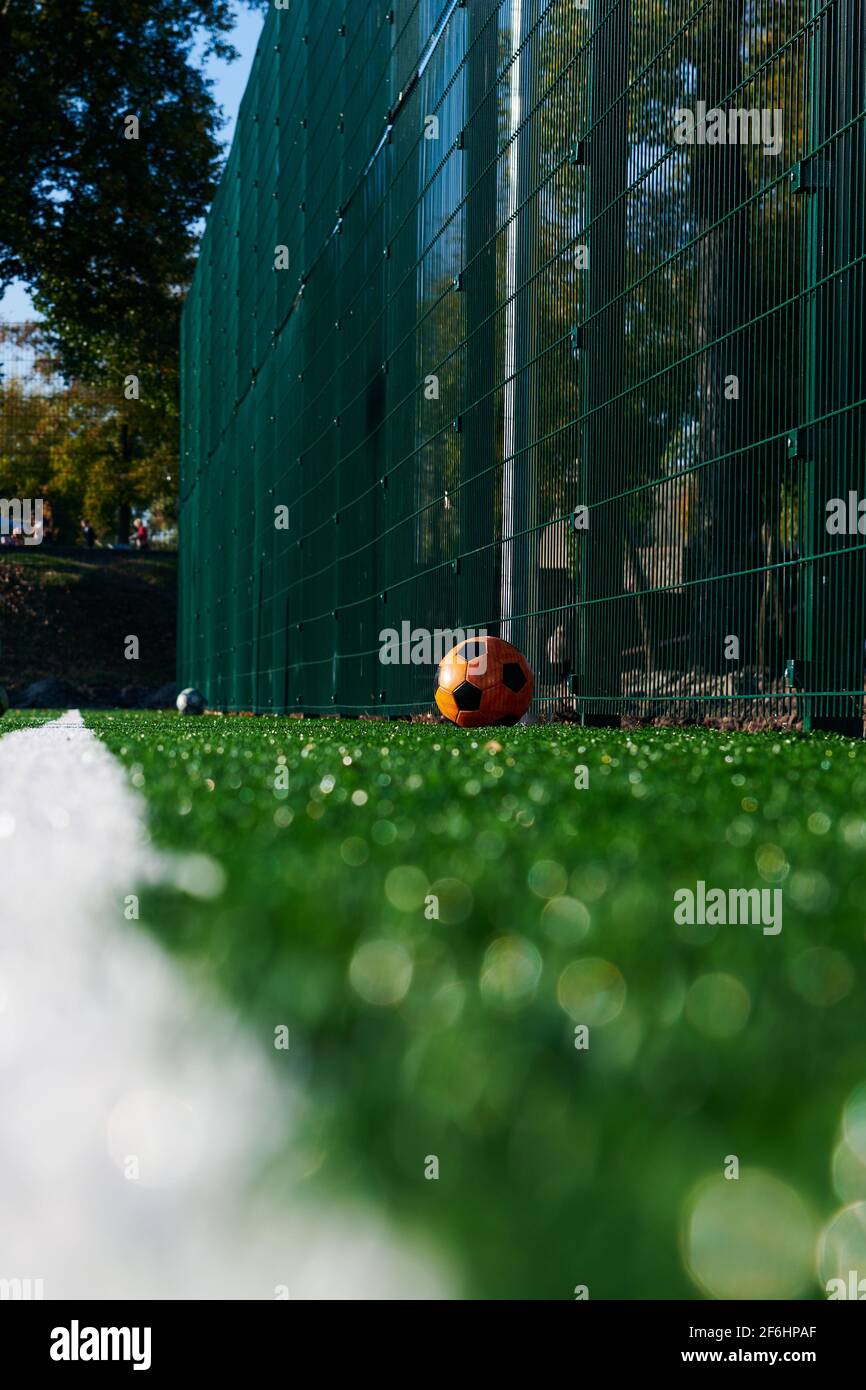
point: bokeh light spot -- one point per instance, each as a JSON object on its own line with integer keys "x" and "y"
{"x": 381, "y": 972}
{"x": 718, "y": 1005}
{"x": 752, "y": 1237}
{"x": 591, "y": 991}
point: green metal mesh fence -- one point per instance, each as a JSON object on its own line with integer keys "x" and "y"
{"x": 544, "y": 318}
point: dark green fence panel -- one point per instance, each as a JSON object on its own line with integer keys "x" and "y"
{"x": 544, "y": 318}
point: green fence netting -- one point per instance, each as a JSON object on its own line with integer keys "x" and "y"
{"x": 543, "y": 318}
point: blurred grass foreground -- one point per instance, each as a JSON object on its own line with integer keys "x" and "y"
{"x": 508, "y": 1045}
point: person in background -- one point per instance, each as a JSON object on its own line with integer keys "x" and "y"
{"x": 89, "y": 534}
{"x": 140, "y": 535}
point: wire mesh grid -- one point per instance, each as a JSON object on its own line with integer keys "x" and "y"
{"x": 541, "y": 318}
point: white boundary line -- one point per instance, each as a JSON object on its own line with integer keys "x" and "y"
{"x": 112, "y": 1064}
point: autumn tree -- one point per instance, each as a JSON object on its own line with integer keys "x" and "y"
{"x": 109, "y": 157}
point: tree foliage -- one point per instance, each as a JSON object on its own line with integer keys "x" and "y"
{"x": 83, "y": 448}
{"x": 104, "y": 227}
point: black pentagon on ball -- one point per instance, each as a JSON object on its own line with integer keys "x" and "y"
{"x": 472, "y": 650}
{"x": 512, "y": 675}
{"x": 467, "y": 696}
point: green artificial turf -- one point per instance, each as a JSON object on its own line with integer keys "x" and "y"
{"x": 455, "y": 1038}
{"x": 25, "y": 719}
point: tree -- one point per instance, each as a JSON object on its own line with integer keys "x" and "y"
{"x": 59, "y": 443}
{"x": 109, "y": 157}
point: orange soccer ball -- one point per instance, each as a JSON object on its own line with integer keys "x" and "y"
{"x": 483, "y": 680}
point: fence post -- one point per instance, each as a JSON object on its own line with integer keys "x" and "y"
{"x": 832, "y": 466}
{"x": 602, "y": 349}
{"x": 478, "y": 581}
{"x": 522, "y": 327}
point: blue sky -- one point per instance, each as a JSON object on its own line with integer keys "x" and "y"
{"x": 229, "y": 83}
